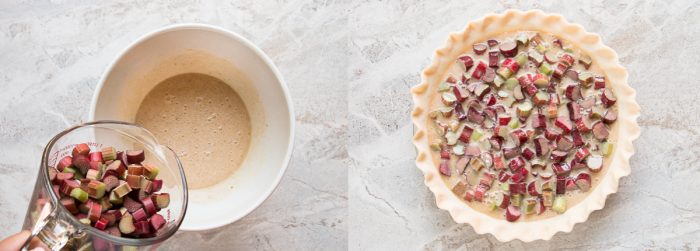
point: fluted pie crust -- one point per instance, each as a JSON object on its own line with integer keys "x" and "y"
{"x": 616, "y": 76}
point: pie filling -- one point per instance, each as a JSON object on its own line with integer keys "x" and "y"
{"x": 522, "y": 125}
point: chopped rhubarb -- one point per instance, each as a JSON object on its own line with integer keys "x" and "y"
{"x": 563, "y": 123}
{"x": 493, "y": 59}
{"x": 479, "y": 48}
{"x": 583, "y": 181}
{"x": 608, "y": 98}
{"x": 467, "y": 61}
{"x": 509, "y": 48}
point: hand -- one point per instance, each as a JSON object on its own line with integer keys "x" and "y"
{"x": 15, "y": 242}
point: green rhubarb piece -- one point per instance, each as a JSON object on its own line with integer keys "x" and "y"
{"x": 108, "y": 153}
{"x": 85, "y": 221}
{"x": 502, "y": 94}
{"x": 504, "y": 72}
{"x": 444, "y": 86}
{"x": 530, "y": 206}
{"x": 79, "y": 194}
{"x": 508, "y": 101}
{"x": 511, "y": 83}
{"x": 151, "y": 171}
{"x": 114, "y": 199}
{"x": 606, "y": 148}
{"x": 493, "y": 206}
{"x": 451, "y": 138}
{"x": 476, "y": 135}
{"x": 476, "y": 163}
{"x": 435, "y": 145}
{"x": 547, "y": 197}
{"x": 524, "y": 109}
{"x": 448, "y": 98}
{"x": 541, "y": 98}
{"x": 541, "y": 48}
{"x": 545, "y": 69}
{"x": 498, "y": 82}
{"x": 521, "y": 58}
{"x": 505, "y": 187}
{"x": 598, "y": 112}
{"x": 126, "y": 224}
{"x": 585, "y": 60}
{"x": 536, "y": 57}
{"x": 96, "y": 189}
{"x": 70, "y": 169}
{"x": 586, "y": 78}
{"x": 514, "y": 123}
{"x": 515, "y": 200}
{"x": 122, "y": 190}
{"x": 522, "y": 38}
{"x": 92, "y": 174}
{"x": 104, "y": 202}
{"x": 569, "y": 50}
{"x": 559, "y": 204}
{"x": 458, "y": 150}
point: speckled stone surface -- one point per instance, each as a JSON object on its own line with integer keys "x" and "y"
{"x": 352, "y": 183}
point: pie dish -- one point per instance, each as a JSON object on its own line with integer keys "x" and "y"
{"x": 457, "y": 125}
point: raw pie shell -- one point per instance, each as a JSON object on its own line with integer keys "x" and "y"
{"x": 616, "y": 76}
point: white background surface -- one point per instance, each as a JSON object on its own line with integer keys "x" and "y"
{"x": 352, "y": 182}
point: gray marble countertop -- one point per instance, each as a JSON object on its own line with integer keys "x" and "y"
{"x": 352, "y": 182}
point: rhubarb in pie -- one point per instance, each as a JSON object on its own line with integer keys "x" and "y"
{"x": 522, "y": 125}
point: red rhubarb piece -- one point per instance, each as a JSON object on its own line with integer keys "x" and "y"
{"x": 561, "y": 168}
{"x": 609, "y": 117}
{"x": 516, "y": 163}
{"x": 563, "y": 123}
{"x": 570, "y": 184}
{"x": 599, "y": 82}
{"x": 81, "y": 149}
{"x": 567, "y": 59}
{"x": 445, "y": 169}
{"x": 96, "y": 157}
{"x": 608, "y": 98}
{"x": 509, "y": 49}
{"x": 512, "y": 213}
{"x": 578, "y": 139}
{"x": 541, "y": 146}
{"x": 492, "y": 42}
{"x": 558, "y": 155}
{"x": 539, "y": 121}
{"x": 459, "y": 110}
{"x": 496, "y": 142}
{"x": 532, "y": 189}
{"x": 559, "y": 71}
{"x": 131, "y": 205}
{"x": 517, "y": 188}
{"x": 561, "y": 185}
{"x": 475, "y": 116}
{"x": 460, "y": 93}
{"x": 82, "y": 163}
{"x": 101, "y": 224}
{"x": 66, "y": 161}
{"x": 480, "y": 191}
{"x": 572, "y": 92}
{"x": 583, "y": 181}
{"x": 498, "y": 162}
{"x": 157, "y": 221}
{"x": 583, "y": 124}
{"x": 503, "y": 201}
{"x": 149, "y": 206}
{"x": 445, "y": 154}
{"x": 479, "y": 48}
{"x": 467, "y": 61}
{"x": 600, "y": 132}
{"x": 464, "y": 137}
{"x": 493, "y": 59}
{"x": 564, "y": 143}
{"x": 519, "y": 136}
{"x": 582, "y": 153}
{"x": 528, "y": 154}
{"x": 511, "y": 151}
{"x": 503, "y": 176}
{"x": 504, "y": 120}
